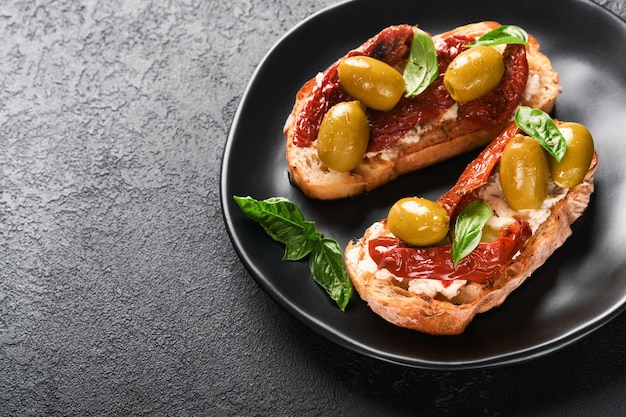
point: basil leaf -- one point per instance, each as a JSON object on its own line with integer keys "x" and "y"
{"x": 540, "y": 126}
{"x": 422, "y": 67}
{"x": 300, "y": 245}
{"x": 504, "y": 34}
{"x": 469, "y": 229}
{"x": 284, "y": 222}
{"x": 328, "y": 270}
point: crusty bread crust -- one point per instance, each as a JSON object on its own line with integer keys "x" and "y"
{"x": 438, "y": 139}
{"x": 389, "y": 299}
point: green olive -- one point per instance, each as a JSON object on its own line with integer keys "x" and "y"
{"x": 574, "y": 166}
{"x": 524, "y": 173}
{"x": 489, "y": 234}
{"x": 375, "y": 83}
{"x": 473, "y": 73}
{"x": 343, "y": 136}
{"x": 418, "y": 221}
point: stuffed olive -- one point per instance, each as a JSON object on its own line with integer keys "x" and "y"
{"x": 371, "y": 81}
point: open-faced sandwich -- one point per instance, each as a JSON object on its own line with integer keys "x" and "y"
{"x": 405, "y": 100}
{"x": 432, "y": 266}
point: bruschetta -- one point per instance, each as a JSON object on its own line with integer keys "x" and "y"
{"x": 422, "y": 287}
{"x": 419, "y": 130}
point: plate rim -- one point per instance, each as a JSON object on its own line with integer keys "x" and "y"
{"x": 319, "y": 327}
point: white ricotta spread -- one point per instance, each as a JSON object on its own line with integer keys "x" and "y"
{"x": 432, "y": 287}
{"x": 503, "y": 214}
{"x": 415, "y": 134}
{"x": 533, "y": 86}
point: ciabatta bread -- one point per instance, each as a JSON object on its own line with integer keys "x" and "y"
{"x": 426, "y": 305}
{"x": 431, "y": 142}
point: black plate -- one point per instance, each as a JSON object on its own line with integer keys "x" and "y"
{"x": 582, "y": 285}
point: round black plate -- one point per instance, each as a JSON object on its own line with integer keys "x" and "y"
{"x": 582, "y": 285}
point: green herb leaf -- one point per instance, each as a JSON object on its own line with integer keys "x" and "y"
{"x": 300, "y": 245}
{"x": 469, "y": 229}
{"x": 422, "y": 68}
{"x": 540, "y": 126}
{"x": 504, "y": 34}
{"x": 329, "y": 271}
{"x": 284, "y": 222}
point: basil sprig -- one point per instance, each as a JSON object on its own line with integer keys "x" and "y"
{"x": 505, "y": 34}
{"x": 468, "y": 229}
{"x": 540, "y": 126}
{"x": 422, "y": 67}
{"x": 284, "y": 222}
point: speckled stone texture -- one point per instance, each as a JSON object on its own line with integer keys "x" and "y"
{"x": 120, "y": 293}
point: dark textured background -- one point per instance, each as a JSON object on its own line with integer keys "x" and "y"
{"x": 120, "y": 293}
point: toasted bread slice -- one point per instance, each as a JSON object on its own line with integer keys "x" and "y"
{"x": 427, "y": 144}
{"x": 427, "y": 306}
